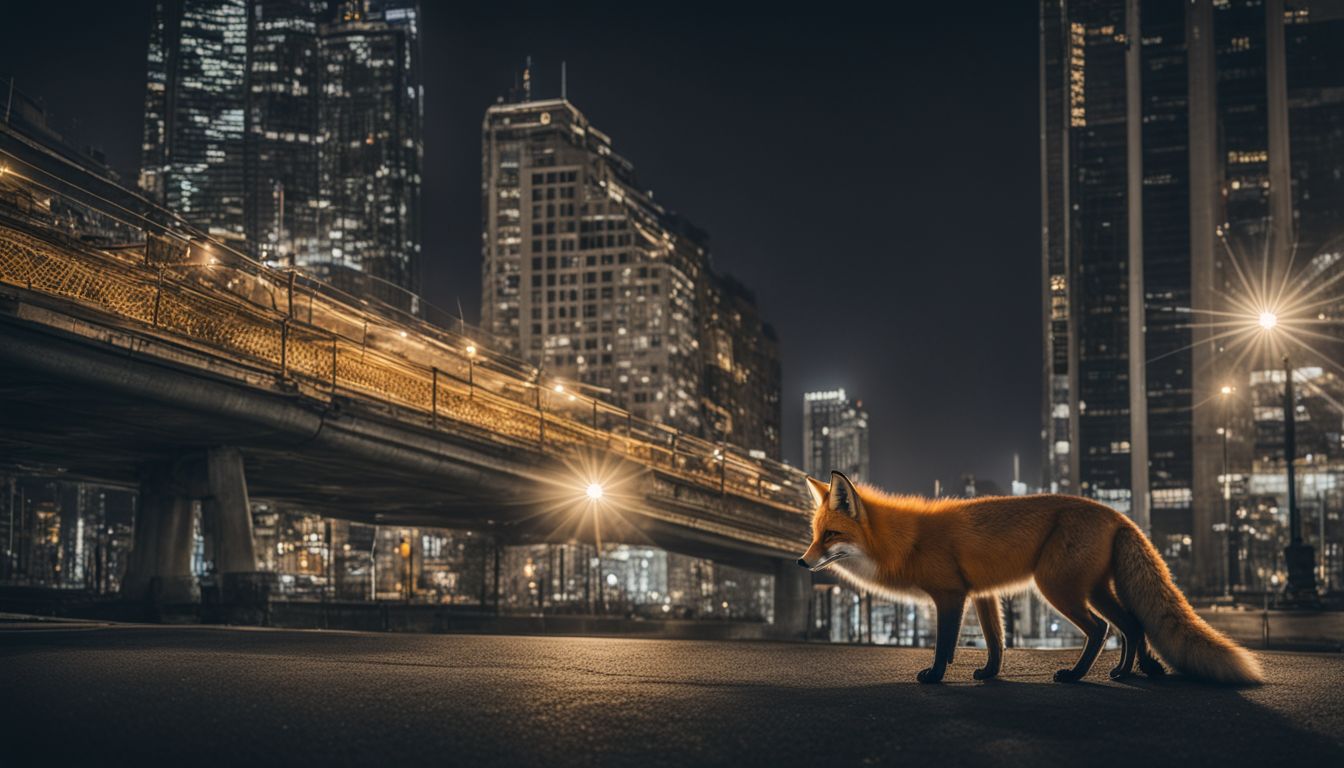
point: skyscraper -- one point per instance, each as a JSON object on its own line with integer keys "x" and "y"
{"x": 280, "y": 167}
{"x": 742, "y": 372}
{"x": 194, "y": 113}
{"x": 590, "y": 280}
{"x": 835, "y": 435}
{"x": 1164, "y": 131}
{"x": 370, "y": 120}
{"x": 292, "y": 129}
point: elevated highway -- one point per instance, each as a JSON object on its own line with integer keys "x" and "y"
{"x": 136, "y": 351}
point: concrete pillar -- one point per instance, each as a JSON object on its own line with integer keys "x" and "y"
{"x": 227, "y": 504}
{"x": 159, "y": 570}
{"x": 244, "y": 593}
{"x": 1207, "y": 369}
{"x": 793, "y": 588}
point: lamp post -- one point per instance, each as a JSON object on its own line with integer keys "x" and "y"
{"x": 1300, "y": 557}
{"x": 1226, "y": 393}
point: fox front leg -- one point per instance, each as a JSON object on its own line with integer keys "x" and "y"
{"x": 950, "y": 609}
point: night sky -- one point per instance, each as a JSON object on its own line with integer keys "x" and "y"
{"x": 874, "y": 178}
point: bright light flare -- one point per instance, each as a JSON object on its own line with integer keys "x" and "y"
{"x": 595, "y": 491}
{"x": 1268, "y": 320}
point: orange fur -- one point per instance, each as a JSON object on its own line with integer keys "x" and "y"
{"x": 1081, "y": 555}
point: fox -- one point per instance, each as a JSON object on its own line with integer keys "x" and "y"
{"x": 1093, "y": 564}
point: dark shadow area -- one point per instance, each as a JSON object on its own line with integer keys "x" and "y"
{"x": 198, "y": 694}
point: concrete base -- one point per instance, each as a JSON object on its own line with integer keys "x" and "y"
{"x": 793, "y": 590}
{"x": 240, "y": 598}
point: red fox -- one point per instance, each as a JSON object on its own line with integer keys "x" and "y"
{"x": 1082, "y": 555}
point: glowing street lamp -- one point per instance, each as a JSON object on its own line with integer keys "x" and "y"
{"x": 595, "y": 492}
{"x": 1299, "y": 557}
{"x": 1229, "y": 553}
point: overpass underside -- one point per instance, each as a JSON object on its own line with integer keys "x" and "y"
{"x": 95, "y": 398}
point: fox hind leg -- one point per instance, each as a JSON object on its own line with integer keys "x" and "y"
{"x": 988, "y": 609}
{"x": 1062, "y": 594}
{"x": 1127, "y": 624}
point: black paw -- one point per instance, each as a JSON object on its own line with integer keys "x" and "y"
{"x": 930, "y": 675}
{"x": 985, "y": 673}
{"x": 1067, "y": 676}
{"x": 1120, "y": 673}
{"x": 1152, "y": 668}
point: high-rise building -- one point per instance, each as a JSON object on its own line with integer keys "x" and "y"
{"x": 590, "y": 280}
{"x": 280, "y": 167}
{"x": 194, "y": 113}
{"x": 742, "y": 371}
{"x": 370, "y": 119}
{"x": 835, "y": 435}
{"x": 292, "y": 129}
{"x": 1164, "y": 133}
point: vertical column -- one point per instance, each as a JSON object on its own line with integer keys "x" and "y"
{"x": 227, "y": 504}
{"x": 793, "y": 588}
{"x": 1205, "y": 216}
{"x": 244, "y": 592}
{"x": 1281, "y": 230}
{"x": 1138, "y": 315}
{"x": 160, "y": 565}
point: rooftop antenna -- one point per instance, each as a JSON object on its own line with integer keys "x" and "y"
{"x": 461, "y": 319}
{"x": 564, "y": 83}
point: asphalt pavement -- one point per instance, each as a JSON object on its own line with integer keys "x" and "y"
{"x": 117, "y": 694}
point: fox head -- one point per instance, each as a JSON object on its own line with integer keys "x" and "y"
{"x": 839, "y": 525}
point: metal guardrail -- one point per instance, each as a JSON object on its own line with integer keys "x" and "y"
{"x": 177, "y": 282}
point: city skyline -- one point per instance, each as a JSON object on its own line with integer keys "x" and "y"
{"x": 936, "y": 424}
{"x": 614, "y": 383}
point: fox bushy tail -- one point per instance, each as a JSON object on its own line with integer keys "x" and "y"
{"x": 1174, "y": 630}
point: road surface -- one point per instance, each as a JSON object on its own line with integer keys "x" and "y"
{"x": 189, "y": 695}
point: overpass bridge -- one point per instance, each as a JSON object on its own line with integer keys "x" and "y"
{"x": 137, "y": 351}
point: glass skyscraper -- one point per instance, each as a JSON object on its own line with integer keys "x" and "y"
{"x": 194, "y": 113}
{"x": 370, "y": 121}
{"x": 281, "y": 140}
{"x": 292, "y": 129}
{"x": 1164, "y": 133}
{"x": 835, "y": 435}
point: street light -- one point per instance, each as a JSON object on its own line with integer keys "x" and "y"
{"x": 1228, "y": 552}
{"x": 1298, "y": 556}
{"x": 595, "y": 491}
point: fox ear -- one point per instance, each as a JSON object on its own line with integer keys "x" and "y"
{"x": 844, "y": 498}
{"x": 820, "y": 491}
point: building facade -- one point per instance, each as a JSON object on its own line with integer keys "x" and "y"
{"x": 1165, "y": 158}
{"x": 370, "y": 119}
{"x": 835, "y": 435}
{"x": 291, "y": 129}
{"x": 196, "y": 98}
{"x": 280, "y": 143}
{"x": 591, "y": 281}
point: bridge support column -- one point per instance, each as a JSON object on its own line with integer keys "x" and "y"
{"x": 159, "y": 571}
{"x": 793, "y": 588}
{"x": 244, "y": 592}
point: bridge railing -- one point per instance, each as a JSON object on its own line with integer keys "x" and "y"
{"x": 198, "y": 292}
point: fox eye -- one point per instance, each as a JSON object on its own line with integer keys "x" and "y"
{"x": 828, "y": 535}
